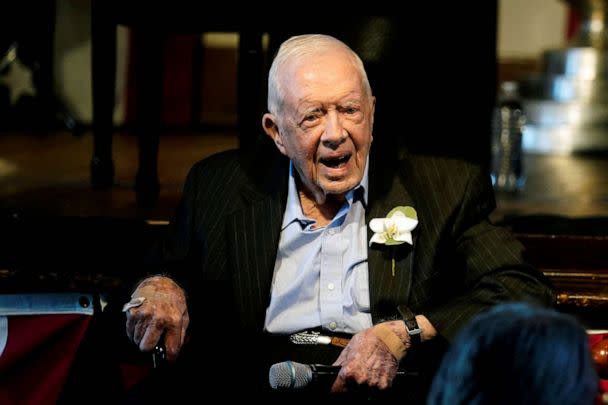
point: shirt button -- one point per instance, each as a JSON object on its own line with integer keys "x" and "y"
{"x": 332, "y": 325}
{"x": 331, "y": 286}
{"x": 331, "y": 231}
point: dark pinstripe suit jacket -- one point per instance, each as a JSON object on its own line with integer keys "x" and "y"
{"x": 226, "y": 233}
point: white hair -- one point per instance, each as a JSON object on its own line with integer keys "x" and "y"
{"x": 300, "y": 47}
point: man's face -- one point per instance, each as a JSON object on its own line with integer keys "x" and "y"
{"x": 326, "y": 121}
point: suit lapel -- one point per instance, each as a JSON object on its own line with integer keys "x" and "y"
{"x": 253, "y": 238}
{"x": 387, "y": 191}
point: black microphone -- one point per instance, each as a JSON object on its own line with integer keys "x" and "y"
{"x": 289, "y": 375}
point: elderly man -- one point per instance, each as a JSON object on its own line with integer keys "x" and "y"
{"x": 395, "y": 254}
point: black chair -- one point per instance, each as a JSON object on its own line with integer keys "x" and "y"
{"x": 149, "y": 28}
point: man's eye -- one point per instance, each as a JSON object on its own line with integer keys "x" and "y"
{"x": 310, "y": 118}
{"x": 350, "y": 110}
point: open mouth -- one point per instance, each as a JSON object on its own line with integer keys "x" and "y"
{"x": 335, "y": 162}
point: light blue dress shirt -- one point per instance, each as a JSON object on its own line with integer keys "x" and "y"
{"x": 321, "y": 275}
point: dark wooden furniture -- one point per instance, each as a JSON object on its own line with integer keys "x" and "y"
{"x": 577, "y": 266}
{"x": 149, "y": 27}
{"x": 561, "y": 216}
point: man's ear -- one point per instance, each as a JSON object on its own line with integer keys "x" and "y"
{"x": 269, "y": 123}
{"x": 373, "y": 112}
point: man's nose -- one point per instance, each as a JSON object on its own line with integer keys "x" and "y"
{"x": 334, "y": 133}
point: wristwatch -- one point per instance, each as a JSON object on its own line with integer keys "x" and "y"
{"x": 411, "y": 325}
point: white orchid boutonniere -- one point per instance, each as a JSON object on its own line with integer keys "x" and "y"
{"x": 395, "y": 229}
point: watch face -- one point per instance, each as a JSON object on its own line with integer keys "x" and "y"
{"x": 410, "y": 320}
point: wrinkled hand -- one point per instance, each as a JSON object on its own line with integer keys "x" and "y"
{"x": 164, "y": 309}
{"x": 367, "y": 361}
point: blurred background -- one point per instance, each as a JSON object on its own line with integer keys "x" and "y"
{"x": 104, "y": 106}
{"x": 177, "y": 85}
{"x": 169, "y": 87}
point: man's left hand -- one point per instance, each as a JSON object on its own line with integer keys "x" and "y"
{"x": 367, "y": 361}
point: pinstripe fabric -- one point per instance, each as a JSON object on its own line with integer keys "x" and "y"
{"x": 254, "y": 236}
{"x": 463, "y": 264}
{"x": 229, "y": 223}
{"x": 387, "y": 290}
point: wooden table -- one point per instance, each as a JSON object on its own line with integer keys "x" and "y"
{"x": 570, "y": 186}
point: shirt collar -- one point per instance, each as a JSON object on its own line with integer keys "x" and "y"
{"x": 293, "y": 210}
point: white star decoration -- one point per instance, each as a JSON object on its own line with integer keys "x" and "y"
{"x": 19, "y": 81}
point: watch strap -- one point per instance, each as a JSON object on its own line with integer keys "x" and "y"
{"x": 411, "y": 324}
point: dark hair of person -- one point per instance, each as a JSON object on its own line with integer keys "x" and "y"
{"x": 517, "y": 353}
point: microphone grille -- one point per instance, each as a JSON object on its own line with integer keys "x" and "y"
{"x": 289, "y": 375}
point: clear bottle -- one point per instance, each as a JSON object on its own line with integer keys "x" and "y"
{"x": 507, "y": 129}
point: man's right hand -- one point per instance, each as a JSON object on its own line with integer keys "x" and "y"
{"x": 163, "y": 309}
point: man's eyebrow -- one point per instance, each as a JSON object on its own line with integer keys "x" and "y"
{"x": 309, "y": 109}
{"x": 315, "y": 106}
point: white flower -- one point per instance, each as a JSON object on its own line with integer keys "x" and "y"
{"x": 396, "y": 228}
